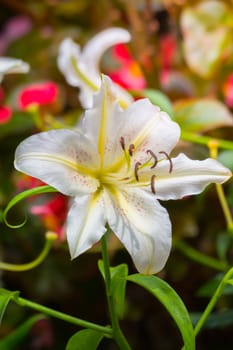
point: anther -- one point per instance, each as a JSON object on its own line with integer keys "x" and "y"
{"x": 153, "y": 156}
{"x": 152, "y": 184}
{"x": 131, "y": 149}
{"x": 122, "y": 142}
{"x": 137, "y": 165}
{"x": 169, "y": 159}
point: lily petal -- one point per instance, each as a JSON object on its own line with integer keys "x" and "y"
{"x": 142, "y": 225}
{"x": 12, "y": 65}
{"x": 71, "y": 64}
{"x": 95, "y": 47}
{"x": 101, "y": 123}
{"x": 188, "y": 176}
{"x": 85, "y": 223}
{"x": 81, "y": 68}
{"x": 141, "y": 124}
{"x": 64, "y": 159}
{"x": 148, "y": 128}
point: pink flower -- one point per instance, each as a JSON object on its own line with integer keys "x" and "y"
{"x": 15, "y": 28}
{"x": 53, "y": 214}
{"x": 52, "y": 211}
{"x": 26, "y": 182}
{"x": 5, "y": 111}
{"x": 167, "y": 49}
{"x": 228, "y": 91}
{"x": 128, "y": 74}
{"x": 39, "y": 94}
{"x": 5, "y": 114}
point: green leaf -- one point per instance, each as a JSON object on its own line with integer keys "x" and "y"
{"x": 172, "y": 302}
{"x": 223, "y": 244}
{"x": 20, "y": 122}
{"x": 202, "y": 115}
{"x": 226, "y": 158}
{"x": 12, "y": 341}
{"x": 23, "y": 195}
{"x": 206, "y": 29}
{"x": 159, "y": 99}
{"x": 5, "y": 297}
{"x": 215, "y": 320}
{"x": 208, "y": 289}
{"x": 118, "y": 284}
{"x": 230, "y": 282}
{"x": 86, "y": 339}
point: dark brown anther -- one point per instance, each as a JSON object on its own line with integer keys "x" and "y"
{"x": 131, "y": 149}
{"x": 153, "y": 156}
{"x": 122, "y": 142}
{"x": 137, "y": 165}
{"x": 169, "y": 159}
{"x": 152, "y": 184}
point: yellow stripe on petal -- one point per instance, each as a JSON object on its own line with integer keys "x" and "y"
{"x": 102, "y": 130}
{"x": 59, "y": 160}
{"x": 82, "y": 76}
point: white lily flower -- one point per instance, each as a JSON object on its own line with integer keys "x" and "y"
{"x": 81, "y": 67}
{"x": 116, "y": 167}
{"x": 12, "y": 65}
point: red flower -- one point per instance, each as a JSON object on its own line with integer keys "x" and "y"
{"x": 40, "y": 94}
{"x": 53, "y": 214}
{"x": 228, "y": 91}
{"x": 5, "y": 111}
{"x": 53, "y": 209}
{"x": 128, "y": 74}
{"x": 26, "y": 182}
{"x": 167, "y": 49}
{"x": 5, "y": 114}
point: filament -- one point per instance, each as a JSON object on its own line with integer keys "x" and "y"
{"x": 131, "y": 149}
{"x": 169, "y": 159}
{"x": 154, "y": 157}
{"x": 137, "y": 165}
{"x": 152, "y": 184}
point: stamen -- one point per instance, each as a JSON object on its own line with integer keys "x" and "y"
{"x": 153, "y": 156}
{"x": 169, "y": 159}
{"x": 137, "y": 165}
{"x": 152, "y": 183}
{"x": 122, "y": 142}
{"x": 131, "y": 149}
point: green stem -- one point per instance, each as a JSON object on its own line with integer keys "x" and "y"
{"x": 50, "y": 237}
{"x": 225, "y": 208}
{"x": 107, "y": 331}
{"x": 204, "y": 140}
{"x": 199, "y": 257}
{"x": 118, "y": 336}
{"x": 213, "y": 301}
{"x": 213, "y": 147}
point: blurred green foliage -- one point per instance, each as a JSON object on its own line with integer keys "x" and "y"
{"x": 188, "y": 75}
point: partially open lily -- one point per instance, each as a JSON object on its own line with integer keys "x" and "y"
{"x": 81, "y": 67}
{"x": 116, "y": 167}
{"x": 12, "y": 65}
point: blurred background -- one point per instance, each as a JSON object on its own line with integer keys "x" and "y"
{"x": 180, "y": 55}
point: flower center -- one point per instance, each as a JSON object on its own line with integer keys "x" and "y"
{"x": 133, "y": 172}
